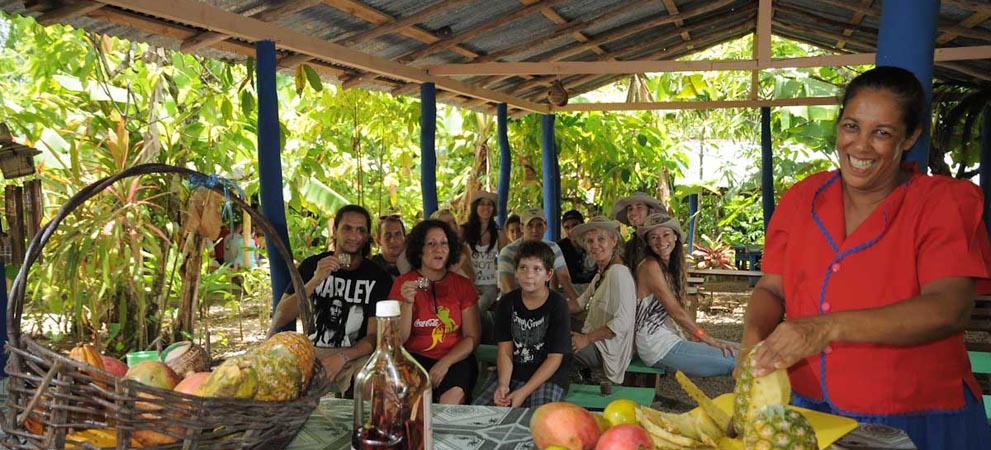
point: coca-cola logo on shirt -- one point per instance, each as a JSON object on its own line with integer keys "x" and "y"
{"x": 420, "y": 323}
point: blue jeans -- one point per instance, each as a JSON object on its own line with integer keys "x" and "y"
{"x": 697, "y": 359}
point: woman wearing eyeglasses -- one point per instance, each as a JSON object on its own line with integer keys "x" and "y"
{"x": 439, "y": 320}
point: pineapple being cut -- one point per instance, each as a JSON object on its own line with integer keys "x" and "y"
{"x": 775, "y": 427}
{"x": 752, "y": 393}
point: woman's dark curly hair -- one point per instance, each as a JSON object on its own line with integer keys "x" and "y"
{"x": 417, "y": 239}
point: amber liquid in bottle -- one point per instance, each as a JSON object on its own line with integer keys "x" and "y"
{"x": 392, "y": 393}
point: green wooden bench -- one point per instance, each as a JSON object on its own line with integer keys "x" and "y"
{"x": 486, "y": 353}
{"x": 980, "y": 363}
{"x": 591, "y": 397}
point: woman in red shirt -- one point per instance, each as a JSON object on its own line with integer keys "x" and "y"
{"x": 439, "y": 319}
{"x": 875, "y": 266}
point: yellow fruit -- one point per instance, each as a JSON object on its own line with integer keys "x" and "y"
{"x": 603, "y": 423}
{"x": 621, "y": 411}
{"x": 556, "y": 447}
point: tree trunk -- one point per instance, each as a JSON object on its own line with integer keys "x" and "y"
{"x": 192, "y": 263}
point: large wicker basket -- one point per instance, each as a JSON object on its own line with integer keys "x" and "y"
{"x": 51, "y": 396}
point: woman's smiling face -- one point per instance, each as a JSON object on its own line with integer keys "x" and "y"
{"x": 662, "y": 241}
{"x": 870, "y": 140}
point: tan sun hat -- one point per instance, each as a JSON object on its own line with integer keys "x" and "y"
{"x": 483, "y": 194}
{"x": 531, "y": 214}
{"x": 658, "y": 220}
{"x": 597, "y": 223}
{"x": 619, "y": 208}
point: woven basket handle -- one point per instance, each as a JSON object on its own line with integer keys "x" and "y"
{"x": 15, "y": 306}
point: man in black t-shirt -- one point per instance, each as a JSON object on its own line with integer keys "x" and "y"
{"x": 580, "y": 265}
{"x": 343, "y": 287}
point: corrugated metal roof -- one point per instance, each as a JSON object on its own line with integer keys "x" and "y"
{"x": 539, "y": 31}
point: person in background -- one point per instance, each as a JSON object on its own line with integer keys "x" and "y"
{"x": 484, "y": 239}
{"x": 339, "y": 282}
{"x": 875, "y": 266}
{"x": 609, "y": 304}
{"x": 391, "y": 238}
{"x": 632, "y": 211}
{"x": 580, "y": 265}
{"x": 534, "y": 227}
{"x": 238, "y": 251}
{"x": 534, "y": 341}
{"x": 662, "y": 320}
{"x": 439, "y": 322}
{"x": 514, "y": 229}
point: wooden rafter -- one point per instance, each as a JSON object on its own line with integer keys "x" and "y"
{"x": 588, "y": 83}
{"x": 479, "y": 30}
{"x": 68, "y": 11}
{"x": 718, "y": 104}
{"x": 762, "y": 44}
{"x": 285, "y": 8}
{"x": 396, "y": 25}
{"x": 744, "y": 14}
{"x": 201, "y": 15}
{"x": 854, "y": 21}
{"x": 673, "y": 10}
{"x": 553, "y": 16}
{"x": 970, "y": 22}
{"x": 619, "y": 33}
{"x": 944, "y": 25}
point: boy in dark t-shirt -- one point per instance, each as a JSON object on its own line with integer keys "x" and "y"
{"x": 342, "y": 288}
{"x": 533, "y": 334}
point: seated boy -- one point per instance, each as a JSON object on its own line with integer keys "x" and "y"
{"x": 533, "y": 335}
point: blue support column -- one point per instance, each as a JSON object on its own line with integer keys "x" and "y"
{"x": 505, "y": 163}
{"x": 985, "y": 174}
{"x": 428, "y": 151}
{"x": 766, "y": 166}
{"x": 552, "y": 201}
{"x": 693, "y": 209}
{"x": 906, "y": 39}
{"x": 270, "y": 165}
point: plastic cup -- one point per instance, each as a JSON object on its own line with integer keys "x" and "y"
{"x": 148, "y": 355}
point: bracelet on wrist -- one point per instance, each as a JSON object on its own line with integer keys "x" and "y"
{"x": 699, "y": 332}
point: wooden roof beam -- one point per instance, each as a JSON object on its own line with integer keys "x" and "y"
{"x": 762, "y": 44}
{"x": 972, "y": 5}
{"x": 575, "y": 26}
{"x": 675, "y": 51}
{"x": 970, "y": 22}
{"x": 717, "y": 104}
{"x": 855, "y": 20}
{"x": 447, "y": 43}
{"x": 200, "y": 15}
{"x": 394, "y": 25}
{"x": 673, "y": 10}
{"x": 68, "y": 11}
{"x": 743, "y": 14}
{"x": 553, "y": 16}
{"x": 376, "y": 17}
{"x": 944, "y": 25}
{"x": 207, "y": 38}
{"x": 623, "y": 32}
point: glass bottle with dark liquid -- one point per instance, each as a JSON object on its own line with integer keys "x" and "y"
{"x": 392, "y": 393}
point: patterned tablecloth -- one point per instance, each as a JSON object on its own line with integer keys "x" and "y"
{"x": 495, "y": 428}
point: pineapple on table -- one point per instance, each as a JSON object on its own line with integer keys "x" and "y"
{"x": 775, "y": 427}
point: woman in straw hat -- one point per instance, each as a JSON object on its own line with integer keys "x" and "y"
{"x": 606, "y": 337}
{"x": 662, "y": 321}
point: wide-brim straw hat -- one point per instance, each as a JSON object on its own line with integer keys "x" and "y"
{"x": 619, "y": 208}
{"x": 597, "y": 223}
{"x": 484, "y": 194}
{"x": 658, "y": 220}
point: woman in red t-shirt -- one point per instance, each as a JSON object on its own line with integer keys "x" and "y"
{"x": 440, "y": 320}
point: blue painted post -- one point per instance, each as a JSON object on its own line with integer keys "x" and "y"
{"x": 693, "y": 209}
{"x": 906, "y": 38}
{"x": 505, "y": 162}
{"x": 428, "y": 151}
{"x": 985, "y": 174}
{"x": 766, "y": 165}
{"x": 270, "y": 166}
{"x": 552, "y": 203}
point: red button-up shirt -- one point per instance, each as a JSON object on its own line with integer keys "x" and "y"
{"x": 927, "y": 229}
